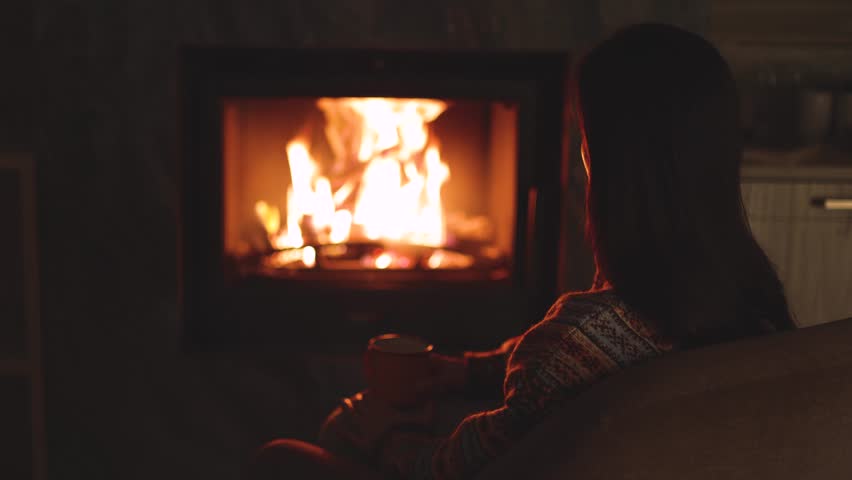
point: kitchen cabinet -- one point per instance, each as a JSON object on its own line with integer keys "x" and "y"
{"x": 810, "y": 245}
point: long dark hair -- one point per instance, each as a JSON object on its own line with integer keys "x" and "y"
{"x": 659, "y": 113}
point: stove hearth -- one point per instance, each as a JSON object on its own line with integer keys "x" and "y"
{"x": 345, "y": 193}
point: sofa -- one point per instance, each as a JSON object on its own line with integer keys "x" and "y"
{"x": 776, "y": 407}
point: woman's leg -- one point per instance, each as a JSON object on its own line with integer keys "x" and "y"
{"x": 295, "y": 459}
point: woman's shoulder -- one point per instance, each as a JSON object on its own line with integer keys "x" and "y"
{"x": 598, "y": 320}
{"x": 578, "y": 308}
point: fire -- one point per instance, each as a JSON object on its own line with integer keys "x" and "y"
{"x": 384, "y": 183}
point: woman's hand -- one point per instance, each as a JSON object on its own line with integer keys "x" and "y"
{"x": 363, "y": 420}
{"x": 448, "y": 374}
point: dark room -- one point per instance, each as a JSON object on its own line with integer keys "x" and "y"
{"x": 425, "y": 239}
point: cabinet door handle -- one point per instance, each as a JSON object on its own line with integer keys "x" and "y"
{"x": 832, "y": 203}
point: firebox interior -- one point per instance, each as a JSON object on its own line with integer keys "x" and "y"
{"x": 320, "y": 185}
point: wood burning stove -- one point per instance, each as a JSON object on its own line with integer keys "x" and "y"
{"x": 344, "y": 193}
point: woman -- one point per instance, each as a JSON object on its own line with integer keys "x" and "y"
{"x": 677, "y": 266}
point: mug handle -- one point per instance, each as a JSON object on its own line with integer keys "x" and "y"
{"x": 367, "y": 368}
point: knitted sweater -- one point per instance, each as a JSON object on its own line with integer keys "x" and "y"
{"x": 583, "y": 338}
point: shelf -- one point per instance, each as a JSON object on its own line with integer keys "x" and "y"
{"x": 812, "y": 163}
{"x": 827, "y": 173}
{"x": 786, "y": 22}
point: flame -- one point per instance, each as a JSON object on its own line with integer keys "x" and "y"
{"x": 268, "y": 215}
{"x": 341, "y": 224}
{"x": 397, "y": 196}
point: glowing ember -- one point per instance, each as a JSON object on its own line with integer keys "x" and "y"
{"x": 435, "y": 259}
{"x": 309, "y": 257}
{"x": 397, "y": 189}
{"x": 384, "y": 261}
{"x": 293, "y": 258}
{"x": 447, "y": 259}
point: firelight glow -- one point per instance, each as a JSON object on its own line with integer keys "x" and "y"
{"x": 396, "y": 179}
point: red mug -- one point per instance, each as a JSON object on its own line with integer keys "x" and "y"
{"x": 393, "y": 365}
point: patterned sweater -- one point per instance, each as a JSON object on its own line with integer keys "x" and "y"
{"x": 583, "y": 338}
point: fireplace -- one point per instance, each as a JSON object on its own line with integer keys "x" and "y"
{"x": 345, "y": 193}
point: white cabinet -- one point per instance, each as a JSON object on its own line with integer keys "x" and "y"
{"x": 811, "y": 246}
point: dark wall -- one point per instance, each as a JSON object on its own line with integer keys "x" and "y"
{"x": 124, "y": 401}
{"x": 16, "y": 72}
